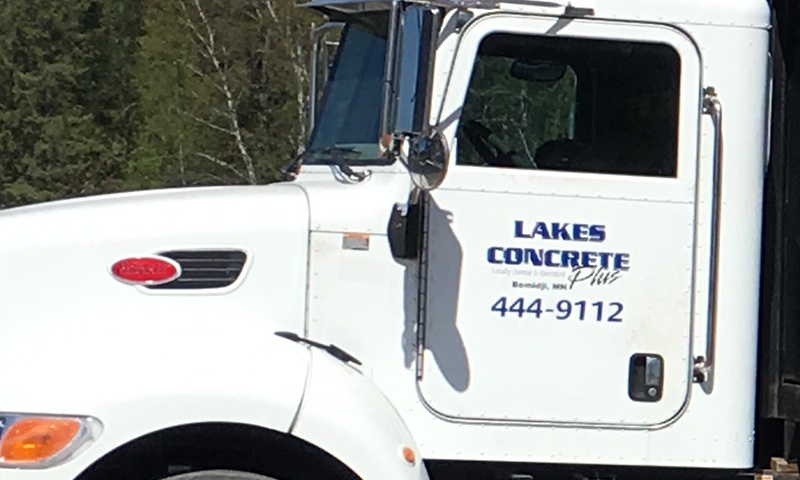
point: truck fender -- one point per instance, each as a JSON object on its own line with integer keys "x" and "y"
{"x": 345, "y": 414}
{"x": 258, "y": 381}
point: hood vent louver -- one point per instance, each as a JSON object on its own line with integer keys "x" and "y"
{"x": 204, "y": 269}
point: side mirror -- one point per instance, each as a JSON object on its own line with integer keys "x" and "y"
{"x": 419, "y": 147}
{"x": 425, "y": 156}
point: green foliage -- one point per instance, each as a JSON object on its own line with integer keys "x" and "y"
{"x": 105, "y": 95}
{"x": 222, "y": 91}
{"x": 166, "y": 138}
{"x": 66, "y": 102}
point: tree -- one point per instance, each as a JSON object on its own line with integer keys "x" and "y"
{"x": 222, "y": 86}
{"x": 66, "y": 100}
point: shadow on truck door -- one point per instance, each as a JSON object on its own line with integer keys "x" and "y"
{"x": 441, "y": 316}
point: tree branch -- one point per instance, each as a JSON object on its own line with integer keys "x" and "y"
{"x": 208, "y": 41}
{"x": 221, "y": 163}
{"x": 271, "y": 10}
{"x": 525, "y": 146}
{"x": 208, "y": 124}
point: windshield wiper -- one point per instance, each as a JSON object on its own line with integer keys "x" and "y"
{"x": 334, "y": 153}
{"x": 337, "y": 156}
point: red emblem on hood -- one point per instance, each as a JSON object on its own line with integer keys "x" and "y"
{"x": 146, "y": 270}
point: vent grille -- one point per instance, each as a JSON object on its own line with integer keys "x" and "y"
{"x": 204, "y": 269}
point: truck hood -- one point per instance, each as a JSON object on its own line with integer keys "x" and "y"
{"x": 63, "y": 310}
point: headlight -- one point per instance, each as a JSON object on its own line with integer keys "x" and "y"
{"x": 35, "y": 441}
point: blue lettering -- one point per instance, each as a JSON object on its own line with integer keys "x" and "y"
{"x": 588, "y": 259}
{"x": 519, "y": 230}
{"x": 597, "y": 233}
{"x": 534, "y": 257}
{"x": 569, "y": 259}
{"x": 491, "y": 255}
{"x": 621, "y": 261}
{"x": 513, "y": 256}
{"x": 541, "y": 230}
{"x": 580, "y": 233}
{"x": 558, "y": 258}
{"x": 559, "y": 231}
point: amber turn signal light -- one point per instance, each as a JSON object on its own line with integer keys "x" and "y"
{"x": 35, "y": 439}
{"x": 408, "y": 455}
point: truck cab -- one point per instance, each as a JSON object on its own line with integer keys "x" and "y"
{"x": 579, "y": 285}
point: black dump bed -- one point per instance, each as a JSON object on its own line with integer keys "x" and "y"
{"x": 779, "y": 358}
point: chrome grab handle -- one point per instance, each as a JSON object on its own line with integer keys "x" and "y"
{"x": 704, "y": 364}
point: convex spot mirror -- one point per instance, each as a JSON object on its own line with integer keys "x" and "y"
{"x": 538, "y": 70}
{"x": 425, "y": 156}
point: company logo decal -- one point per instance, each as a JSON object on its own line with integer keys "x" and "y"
{"x": 590, "y": 266}
{"x": 146, "y": 270}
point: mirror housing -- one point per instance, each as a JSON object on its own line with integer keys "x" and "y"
{"x": 415, "y": 43}
{"x": 413, "y": 141}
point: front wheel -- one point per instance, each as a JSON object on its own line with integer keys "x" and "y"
{"x": 219, "y": 475}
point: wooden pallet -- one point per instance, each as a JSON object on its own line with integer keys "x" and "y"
{"x": 779, "y": 469}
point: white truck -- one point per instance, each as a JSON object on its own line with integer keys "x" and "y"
{"x": 524, "y": 241}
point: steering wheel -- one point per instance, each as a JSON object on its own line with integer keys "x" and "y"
{"x": 491, "y": 151}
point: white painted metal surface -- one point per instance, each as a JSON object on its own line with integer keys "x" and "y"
{"x": 347, "y": 415}
{"x": 139, "y": 363}
{"x": 738, "y": 13}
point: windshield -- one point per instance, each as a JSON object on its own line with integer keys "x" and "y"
{"x": 349, "y": 120}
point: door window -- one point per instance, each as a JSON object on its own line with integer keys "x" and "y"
{"x": 570, "y": 104}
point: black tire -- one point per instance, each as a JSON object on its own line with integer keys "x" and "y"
{"x": 219, "y": 475}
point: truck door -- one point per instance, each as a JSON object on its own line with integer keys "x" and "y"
{"x": 559, "y": 272}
